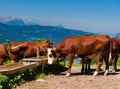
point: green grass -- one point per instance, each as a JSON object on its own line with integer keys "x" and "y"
{"x": 40, "y": 76}
{"x": 8, "y": 61}
{"x": 118, "y": 62}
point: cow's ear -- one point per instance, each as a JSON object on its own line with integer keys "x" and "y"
{"x": 9, "y": 45}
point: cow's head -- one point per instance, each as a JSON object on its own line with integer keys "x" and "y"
{"x": 52, "y": 57}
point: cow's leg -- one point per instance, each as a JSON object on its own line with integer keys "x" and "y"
{"x": 107, "y": 67}
{"x": 115, "y": 62}
{"x": 1, "y": 61}
{"x": 86, "y": 65}
{"x": 82, "y": 69}
{"x": 106, "y": 59}
{"x": 14, "y": 59}
{"x": 98, "y": 65}
{"x": 70, "y": 60}
{"x": 89, "y": 61}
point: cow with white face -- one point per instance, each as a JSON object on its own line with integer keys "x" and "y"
{"x": 51, "y": 55}
{"x": 82, "y": 46}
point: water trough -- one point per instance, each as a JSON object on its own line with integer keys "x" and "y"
{"x": 29, "y": 63}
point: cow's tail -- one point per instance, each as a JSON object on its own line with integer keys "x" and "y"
{"x": 110, "y": 53}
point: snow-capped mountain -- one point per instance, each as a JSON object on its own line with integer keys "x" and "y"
{"x": 30, "y": 21}
{"x": 5, "y": 19}
{"x": 13, "y": 20}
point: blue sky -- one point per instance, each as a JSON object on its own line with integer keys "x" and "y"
{"x": 88, "y": 15}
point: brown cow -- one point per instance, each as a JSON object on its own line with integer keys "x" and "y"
{"x": 115, "y": 51}
{"x": 18, "y": 50}
{"x": 82, "y": 46}
{"x": 3, "y": 53}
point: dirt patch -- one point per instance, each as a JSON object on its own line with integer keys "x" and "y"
{"x": 75, "y": 81}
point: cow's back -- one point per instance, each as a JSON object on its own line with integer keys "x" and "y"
{"x": 84, "y": 44}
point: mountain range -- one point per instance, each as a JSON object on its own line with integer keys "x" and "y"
{"x": 31, "y": 33}
{"x": 16, "y": 30}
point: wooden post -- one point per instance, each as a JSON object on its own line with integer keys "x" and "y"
{"x": 38, "y": 51}
{"x": 42, "y": 66}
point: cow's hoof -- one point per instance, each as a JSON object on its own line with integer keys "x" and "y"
{"x": 95, "y": 73}
{"x": 67, "y": 74}
{"x": 106, "y": 72}
{"x": 113, "y": 71}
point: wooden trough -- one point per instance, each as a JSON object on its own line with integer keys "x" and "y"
{"x": 29, "y": 63}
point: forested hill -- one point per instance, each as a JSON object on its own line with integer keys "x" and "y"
{"x": 22, "y": 33}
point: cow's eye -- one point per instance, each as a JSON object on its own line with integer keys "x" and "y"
{"x": 50, "y": 55}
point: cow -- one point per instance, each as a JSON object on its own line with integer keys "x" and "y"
{"x": 114, "y": 51}
{"x": 3, "y": 53}
{"x": 18, "y": 50}
{"x": 81, "y": 46}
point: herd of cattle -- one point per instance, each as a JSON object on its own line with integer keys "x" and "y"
{"x": 104, "y": 47}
